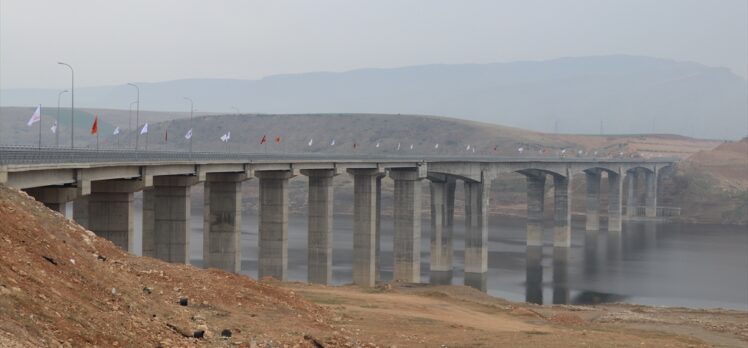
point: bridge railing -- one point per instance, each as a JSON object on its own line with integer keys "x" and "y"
{"x": 661, "y": 211}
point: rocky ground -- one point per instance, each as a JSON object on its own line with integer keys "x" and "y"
{"x": 61, "y": 286}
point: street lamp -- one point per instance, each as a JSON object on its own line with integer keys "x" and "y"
{"x": 137, "y": 116}
{"x": 192, "y": 110}
{"x": 57, "y": 131}
{"x": 129, "y": 124}
{"x": 72, "y": 104}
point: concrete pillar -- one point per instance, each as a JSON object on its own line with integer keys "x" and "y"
{"x": 535, "y": 203}
{"x": 378, "y": 230}
{"x": 562, "y": 211}
{"x": 110, "y": 210}
{"x": 593, "y": 200}
{"x": 171, "y": 217}
{"x": 54, "y": 198}
{"x": 407, "y": 211}
{"x": 534, "y": 274}
{"x": 319, "y": 252}
{"x": 149, "y": 223}
{"x": 442, "y": 217}
{"x": 80, "y": 211}
{"x": 273, "y": 223}
{"x": 222, "y": 221}
{"x": 615, "y": 201}
{"x": 650, "y": 200}
{"x": 364, "y": 225}
{"x": 632, "y": 198}
{"x": 560, "y": 275}
{"x": 476, "y": 233}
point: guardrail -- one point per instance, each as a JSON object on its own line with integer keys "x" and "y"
{"x": 661, "y": 211}
{"x": 44, "y": 155}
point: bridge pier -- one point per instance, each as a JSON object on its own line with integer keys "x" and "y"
{"x": 535, "y": 208}
{"x": 560, "y": 275}
{"x": 650, "y": 200}
{"x": 319, "y": 249}
{"x": 222, "y": 221}
{"x": 442, "y": 223}
{"x": 593, "y": 199}
{"x": 632, "y": 198}
{"x": 562, "y": 211}
{"x": 149, "y": 222}
{"x": 273, "y": 223}
{"x": 377, "y": 230}
{"x": 110, "y": 211}
{"x": 55, "y": 198}
{"x": 80, "y": 211}
{"x": 615, "y": 203}
{"x": 171, "y": 217}
{"x": 476, "y": 233}
{"x": 365, "y": 222}
{"x": 407, "y": 211}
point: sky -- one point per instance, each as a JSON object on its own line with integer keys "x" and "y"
{"x": 115, "y": 42}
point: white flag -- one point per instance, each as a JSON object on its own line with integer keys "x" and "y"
{"x": 144, "y": 129}
{"x": 189, "y": 134}
{"x": 377, "y": 144}
{"x": 116, "y": 131}
{"x": 36, "y": 117}
{"x": 398, "y": 146}
{"x": 228, "y": 136}
{"x": 332, "y": 143}
{"x": 521, "y": 149}
{"x": 54, "y": 128}
{"x": 436, "y": 146}
{"x": 563, "y": 151}
{"x": 311, "y": 141}
{"x": 473, "y": 148}
{"x": 223, "y": 138}
{"x": 467, "y": 148}
{"x": 411, "y": 146}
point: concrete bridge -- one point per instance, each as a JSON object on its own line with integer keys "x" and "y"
{"x": 101, "y": 185}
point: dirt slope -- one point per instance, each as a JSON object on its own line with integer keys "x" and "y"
{"x": 60, "y": 284}
{"x": 727, "y": 162}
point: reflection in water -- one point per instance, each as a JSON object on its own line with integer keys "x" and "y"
{"x": 534, "y": 274}
{"x": 560, "y": 275}
{"x": 477, "y": 280}
{"x": 590, "y": 253}
{"x": 613, "y": 245}
{"x": 440, "y": 277}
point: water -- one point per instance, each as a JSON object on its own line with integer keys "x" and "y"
{"x": 648, "y": 263}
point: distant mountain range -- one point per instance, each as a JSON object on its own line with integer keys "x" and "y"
{"x": 612, "y": 94}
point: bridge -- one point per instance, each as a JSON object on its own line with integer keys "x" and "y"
{"x": 101, "y": 185}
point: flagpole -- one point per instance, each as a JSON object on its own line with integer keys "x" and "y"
{"x": 40, "y": 127}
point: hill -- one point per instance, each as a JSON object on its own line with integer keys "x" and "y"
{"x": 623, "y": 94}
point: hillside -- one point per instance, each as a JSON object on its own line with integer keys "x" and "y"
{"x": 62, "y": 286}
{"x": 628, "y": 94}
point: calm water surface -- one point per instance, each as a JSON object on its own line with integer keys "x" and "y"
{"x": 648, "y": 263}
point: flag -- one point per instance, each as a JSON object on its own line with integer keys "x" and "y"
{"x": 398, "y": 146}
{"x": 116, "y": 131}
{"x": 473, "y": 148}
{"x": 411, "y": 146}
{"x": 332, "y": 143}
{"x": 277, "y": 139}
{"x": 144, "y": 130}
{"x": 311, "y": 141}
{"x": 521, "y": 149}
{"x": 467, "y": 148}
{"x": 224, "y": 138}
{"x": 166, "y": 135}
{"x": 95, "y": 125}
{"x": 377, "y": 144}
{"x": 436, "y": 146}
{"x": 54, "y": 128}
{"x": 354, "y": 145}
{"x": 496, "y": 148}
{"x": 264, "y": 139}
{"x": 36, "y": 117}
{"x": 189, "y": 134}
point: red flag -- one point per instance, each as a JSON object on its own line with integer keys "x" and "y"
{"x": 354, "y": 145}
{"x": 264, "y": 139}
{"x": 95, "y": 126}
{"x": 277, "y": 139}
{"x": 166, "y": 135}
{"x": 495, "y": 147}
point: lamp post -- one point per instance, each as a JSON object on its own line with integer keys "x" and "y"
{"x": 129, "y": 124}
{"x": 57, "y": 131}
{"x": 137, "y": 116}
{"x": 192, "y": 111}
{"x": 72, "y": 104}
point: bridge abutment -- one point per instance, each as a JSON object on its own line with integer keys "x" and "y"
{"x": 273, "y": 224}
{"x": 55, "y": 198}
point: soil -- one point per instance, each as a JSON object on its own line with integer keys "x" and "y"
{"x": 62, "y": 286}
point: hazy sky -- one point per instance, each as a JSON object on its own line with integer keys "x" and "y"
{"x": 113, "y": 42}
